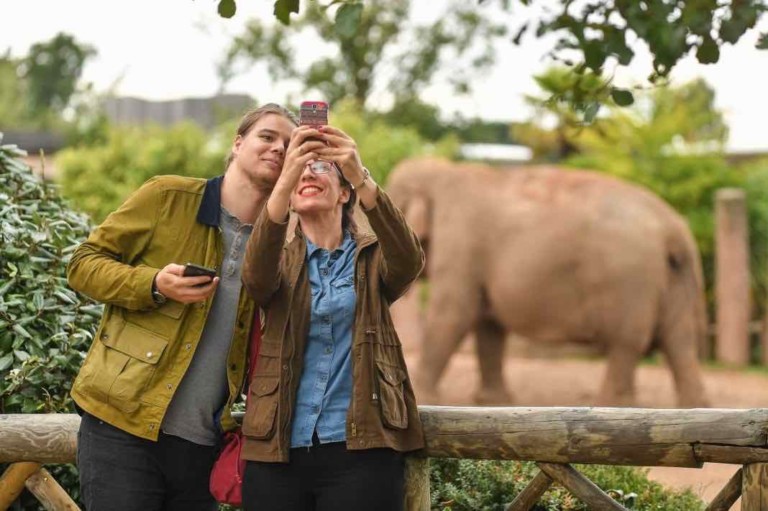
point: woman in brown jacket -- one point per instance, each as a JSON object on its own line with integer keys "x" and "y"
{"x": 330, "y": 408}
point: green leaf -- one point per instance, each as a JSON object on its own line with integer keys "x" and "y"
{"x": 284, "y": 8}
{"x": 762, "y": 43}
{"x": 21, "y": 331}
{"x": 6, "y": 361}
{"x": 708, "y": 52}
{"x": 348, "y": 19}
{"x": 21, "y": 355}
{"x": 227, "y": 8}
{"x": 591, "y": 112}
{"x": 622, "y": 97}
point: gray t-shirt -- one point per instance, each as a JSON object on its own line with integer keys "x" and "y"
{"x": 203, "y": 391}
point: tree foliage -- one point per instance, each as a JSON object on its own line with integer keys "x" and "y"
{"x": 374, "y": 48}
{"x": 37, "y": 89}
{"x": 597, "y": 35}
{"x": 52, "y": 70}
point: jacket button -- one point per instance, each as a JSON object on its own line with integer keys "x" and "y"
{"x": 149, "y": 354}
{"x": 104, "y": 337}
{"x": 285, "y": 367}
{"x": 151, "y": 426}
{"x": 188, "y": 346}
{"x": 169, "y": 386}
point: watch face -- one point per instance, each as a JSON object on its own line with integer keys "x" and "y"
{"x": 158, "y": 297}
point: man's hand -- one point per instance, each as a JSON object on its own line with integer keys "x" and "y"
{"x": 174, "y": 285}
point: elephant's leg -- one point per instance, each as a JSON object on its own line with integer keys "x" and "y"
{"x": 451, "y": 312}
{"x": 618, "y": 387}
{"x": 490, "y": 354}
{"x": 681, "y": 350}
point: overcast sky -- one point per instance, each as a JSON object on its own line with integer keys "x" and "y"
{"x": 165, "y": 49}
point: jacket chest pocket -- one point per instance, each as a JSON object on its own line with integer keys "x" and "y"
{"x": 261, "y": 410}
{"x": 127, "y": 363}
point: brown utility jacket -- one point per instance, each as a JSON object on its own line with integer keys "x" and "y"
{"x": 382, "y": 410}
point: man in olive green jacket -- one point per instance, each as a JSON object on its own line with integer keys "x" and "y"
{"x": 168, "y": 358}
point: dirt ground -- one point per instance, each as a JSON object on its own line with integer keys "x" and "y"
{"x": 570, "y": 376}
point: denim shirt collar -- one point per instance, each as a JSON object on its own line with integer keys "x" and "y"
{"x": 208, "y": 213}
{"x": 345, "y": 241}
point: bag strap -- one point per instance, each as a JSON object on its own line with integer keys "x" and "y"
{"x": 254, "y": 347}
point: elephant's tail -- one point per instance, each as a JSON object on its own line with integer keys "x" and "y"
{"x": 683, "y": 308}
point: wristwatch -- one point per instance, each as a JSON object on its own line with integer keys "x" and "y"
{"x": 157, "y": 296}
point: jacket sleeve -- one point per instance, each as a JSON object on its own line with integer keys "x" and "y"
{"x": 103, "y": 268}
{"x": 402, "y": 256}
{"x": 261, "y": 266}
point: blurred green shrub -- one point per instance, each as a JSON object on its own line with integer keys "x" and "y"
{"x": 98, "y": 178}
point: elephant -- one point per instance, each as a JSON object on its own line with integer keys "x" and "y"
{"x": 554, "y": 255}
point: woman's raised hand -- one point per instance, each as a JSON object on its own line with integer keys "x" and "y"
{"x": 300, "y": 151}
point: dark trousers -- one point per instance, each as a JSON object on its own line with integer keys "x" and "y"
{"x": 327, "y": 477}
{"x": 121, "y": 472}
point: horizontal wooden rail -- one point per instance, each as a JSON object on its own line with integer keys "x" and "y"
{"x": 608, "y": 436}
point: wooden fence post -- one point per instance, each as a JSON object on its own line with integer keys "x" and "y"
{"x": 754, "y": 487}
{"x": 49, "y": 492}
{"x": 416, "y": 483}
{"x": 732, "y": 277}
{"x": 12, "y": 481}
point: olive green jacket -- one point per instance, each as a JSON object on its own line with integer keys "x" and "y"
{"x": 141, "y": 350}
{"x": 382, "y": 410}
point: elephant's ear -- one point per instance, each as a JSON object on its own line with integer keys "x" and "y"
{"x": 417, "y": 215}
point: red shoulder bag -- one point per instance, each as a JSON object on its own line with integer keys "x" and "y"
{"x": 226, "y": 483}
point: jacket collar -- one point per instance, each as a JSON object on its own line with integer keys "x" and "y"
{"x": 208, "y": 212}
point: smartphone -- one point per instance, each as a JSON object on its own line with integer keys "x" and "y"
{"x": 313, "y": 113}
{"x": 195, "y": 270}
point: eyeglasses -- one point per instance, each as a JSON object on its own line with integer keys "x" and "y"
{"x": 320, "y": 167}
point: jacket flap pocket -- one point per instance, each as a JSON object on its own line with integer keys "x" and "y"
{"x": 391, "y": 374}
{"x": 172, "y": 309}
{"x": 264, "y": 385}
{"x": 138, "y": 343}
{"x": 381, "y": 334}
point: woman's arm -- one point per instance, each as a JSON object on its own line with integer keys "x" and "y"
{"x": 402, "y": 256}
{"x": 261, "y": 266}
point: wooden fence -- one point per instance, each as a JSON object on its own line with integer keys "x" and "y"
{"x": 552, "y": 437}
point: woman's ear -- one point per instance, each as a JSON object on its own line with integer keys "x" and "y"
{"x": 345, "y": 194}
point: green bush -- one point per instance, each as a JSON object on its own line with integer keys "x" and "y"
{"x": 98, "y": 178}
{"x": 469, "y": 485}
{"x": 45, "y": 328}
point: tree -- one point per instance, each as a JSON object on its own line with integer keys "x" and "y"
{"x": 12, "y": 111}
{"x": 456, "y": 45}
{"x": 597, "y": 35}
{"x": 52, "y": 70}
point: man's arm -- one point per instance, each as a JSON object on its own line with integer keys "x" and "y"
{"x": 102, "y": 268}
